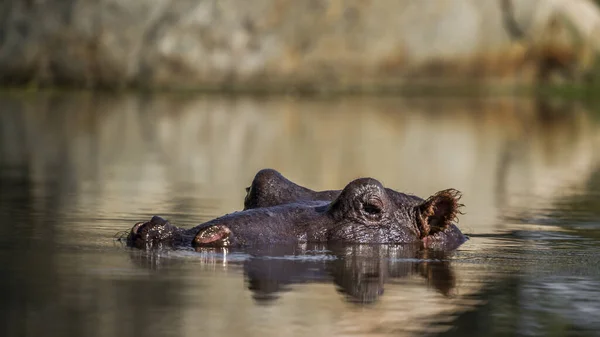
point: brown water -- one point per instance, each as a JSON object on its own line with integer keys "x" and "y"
{"x": 75, "y": 169}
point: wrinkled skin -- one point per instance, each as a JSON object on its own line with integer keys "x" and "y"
{"x": 278, "y": 211}
{"x": 270, "y": 188}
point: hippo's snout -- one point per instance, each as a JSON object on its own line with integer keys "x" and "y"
{"x": 154, "y": 231}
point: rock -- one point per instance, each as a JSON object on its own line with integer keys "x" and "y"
{"x": 293, "y": 45}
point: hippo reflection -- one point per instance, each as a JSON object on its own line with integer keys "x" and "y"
{"x": 359, "y": 272}
{"x": 277, "y": 211}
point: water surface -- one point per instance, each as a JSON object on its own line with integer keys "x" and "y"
{"x": 75, "y": 169}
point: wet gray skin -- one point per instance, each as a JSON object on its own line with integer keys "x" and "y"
{"x": 278, "y": 211}
{"x": 271, "y": 188}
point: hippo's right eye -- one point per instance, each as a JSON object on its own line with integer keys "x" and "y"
{"x": 372, "y": 209}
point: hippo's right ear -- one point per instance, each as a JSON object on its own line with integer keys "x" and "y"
{"x": 439, "y": 211}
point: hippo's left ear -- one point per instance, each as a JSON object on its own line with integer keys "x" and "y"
{"x": 439, "y": 211}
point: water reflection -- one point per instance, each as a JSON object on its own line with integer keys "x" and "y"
{"x": 76, "y": 169}
{"x": 190, "y": 157}
{"x": 359, "y": 272}
{"x": 547, "y": 286}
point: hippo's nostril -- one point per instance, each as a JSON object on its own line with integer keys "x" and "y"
{"x": 213, "y": 236}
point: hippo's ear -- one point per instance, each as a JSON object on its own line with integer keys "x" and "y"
{"x": 439, "y": 211}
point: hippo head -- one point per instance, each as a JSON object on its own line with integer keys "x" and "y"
{"x": 366, "y": 212}
{"x": 363, "y": 212}
{"x": 433, "y": 217}
{"x": 282, "y": 213}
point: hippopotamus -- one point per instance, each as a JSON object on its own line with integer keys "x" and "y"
{"x": 278, "y": 211}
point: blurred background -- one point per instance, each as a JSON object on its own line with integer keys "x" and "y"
{"x": 114, "y": 111}
{"x": 290, "y": 46}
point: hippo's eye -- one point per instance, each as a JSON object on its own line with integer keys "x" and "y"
{"x": 371, "y": 209}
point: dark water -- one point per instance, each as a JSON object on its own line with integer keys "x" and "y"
{"x": 75, "y": 169}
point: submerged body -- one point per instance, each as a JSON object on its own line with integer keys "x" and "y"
{"x": 277, "y": 211}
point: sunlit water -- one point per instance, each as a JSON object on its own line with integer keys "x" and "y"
{"x": 76, "y": 169}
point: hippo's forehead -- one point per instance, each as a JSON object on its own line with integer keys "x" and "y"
{"x": 404, "y": 200}
{"x": 366, "y": 189}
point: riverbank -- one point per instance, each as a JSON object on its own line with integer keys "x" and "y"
{"x": 582, "y": 92}
{"x": 323, "y": 46}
